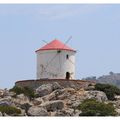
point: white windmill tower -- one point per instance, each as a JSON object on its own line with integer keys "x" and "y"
{"x": 55, "y": 60}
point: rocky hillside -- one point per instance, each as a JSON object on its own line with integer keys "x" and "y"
{"x": 111, "y": 78}
{"x": 50, "y": 100}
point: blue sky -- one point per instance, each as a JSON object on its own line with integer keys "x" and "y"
{"x": 95, "y": 31}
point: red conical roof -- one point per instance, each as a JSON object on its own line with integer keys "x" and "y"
{"x": 55, "y": 45}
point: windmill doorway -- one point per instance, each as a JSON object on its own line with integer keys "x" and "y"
{"x": 67, "y": 75}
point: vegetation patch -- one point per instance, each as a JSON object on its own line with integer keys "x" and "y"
{"x": 109, "y": 90}
{"x": 10, "y": 110}
{"x": 91, "y": 107}
{"x": 25, "y": 90}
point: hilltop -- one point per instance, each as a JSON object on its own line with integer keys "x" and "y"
{"x": 52, "y": 99}
{"x": 111, "y": 78}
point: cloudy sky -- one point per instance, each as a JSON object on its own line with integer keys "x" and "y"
{"x": 95, "y": 31}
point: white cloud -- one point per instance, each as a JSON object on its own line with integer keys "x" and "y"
{"x": 65, "y": 11}
{"x": 54, "y": 11}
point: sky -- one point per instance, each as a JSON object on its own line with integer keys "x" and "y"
{"x": 95, "y": 31}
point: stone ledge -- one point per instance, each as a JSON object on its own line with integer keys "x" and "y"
{"x": 76, "y": 84}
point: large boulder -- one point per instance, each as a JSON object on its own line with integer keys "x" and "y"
{"x": 98, "y": 95}
{"x": 46, "y": 89}
{"x": 21, "y": 99}
{"x": 5, "y": 101}
{"x": 53, "y": 105}
{"x": 37, "y": 111}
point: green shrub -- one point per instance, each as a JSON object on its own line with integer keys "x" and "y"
{"x": 10, "y": 110}
{"x": 29, "y": 92}
{"x": 17, "y": 90}
{"x": 110, "y": 90}
{"x": 91, "y": 107}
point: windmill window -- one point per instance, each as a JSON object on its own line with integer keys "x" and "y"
{"x": 67, "y": 56}
{"x": 59, "y": 51}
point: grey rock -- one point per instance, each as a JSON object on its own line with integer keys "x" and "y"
{"x": 68, "y": 112}
{"x": 64, "y": 112}
{"x": 37, "y": 111}
{"x": 77, "y": 112}
{"x": 12, "y": 94}
{"x": 53, "y": 105}
{"x": 25, "y": 107}
{"x": 5, "y": 102}
{"x": 49, "y": 97}
{"x": 56, "y": 86}
{"x": 118, "y": 111}
{"x": 38, "y": 101}
{"x": 65, "y": 93}
{"x": 59, "y": 94}
{"x": 4, "y": 114}
{"x": 1, "y": 114}
{"x": 44, "y": 89}
{"x": 63, "y": 96}
{"x": 21, "y": 99}
{"x": 116, "y": 104}
{"x": 117, "y": 97}
{"x": 75, "y": 103}
{"x": 6, "y": 92}
{"x": 1, "y": 93}
{"x": 98, "y": 95}
{"x": 59, "y": 113}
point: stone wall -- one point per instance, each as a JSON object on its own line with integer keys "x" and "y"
{"x": 76, "y": 84}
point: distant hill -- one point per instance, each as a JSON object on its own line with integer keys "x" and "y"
{"x": 111, "y": 78}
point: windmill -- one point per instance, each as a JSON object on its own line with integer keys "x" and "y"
{"x": 53, "y": 67}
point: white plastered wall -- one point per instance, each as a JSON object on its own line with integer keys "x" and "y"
{"x": 52, "y": 64}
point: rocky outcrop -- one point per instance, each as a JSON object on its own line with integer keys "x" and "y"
{"x": 111, "y": 78}
{"x": 54, "y": 100}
